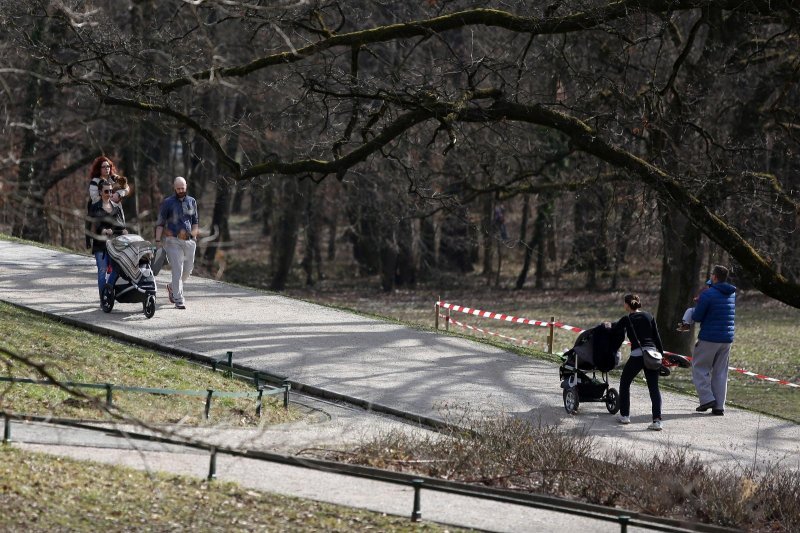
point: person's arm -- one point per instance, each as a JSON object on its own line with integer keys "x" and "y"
{"x": 160, "y": 222}
{"x": 701, "y": 309}
{"x": 195, "y": 221}
{"x": 656, "y": 336}
{"x": 94, "y": 191}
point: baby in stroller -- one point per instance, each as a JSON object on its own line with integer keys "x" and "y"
{"x": 130, "y": 278}
{"x": 595, "y": 349}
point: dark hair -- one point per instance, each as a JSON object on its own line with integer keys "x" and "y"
{"x": 720, "y": 272}
{"x": 633, "y": 301}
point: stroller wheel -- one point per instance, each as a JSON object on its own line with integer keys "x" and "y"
{"x": 107, "y": 298}
{"x": 571, "y": 400}
{"x": 612, "y": 401}
{"x": 149, "y": 306}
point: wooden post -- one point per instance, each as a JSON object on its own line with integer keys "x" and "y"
{"x": 551, "y": 335}
{"x": 447, "y": 321}
{"x": 436, "y": 315}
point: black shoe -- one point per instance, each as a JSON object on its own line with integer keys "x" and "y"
{"x": 718, "y": 412}
{"x": 706, "y": 406}
{"x": 180, "y": 306}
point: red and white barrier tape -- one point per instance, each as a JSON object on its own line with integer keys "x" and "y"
{"x": 487, "y": 332}
{"x": 520, "y": 320}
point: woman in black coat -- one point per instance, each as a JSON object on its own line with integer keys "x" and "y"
{"x": 641, "y": 329}
{"x": 108, "y": 221}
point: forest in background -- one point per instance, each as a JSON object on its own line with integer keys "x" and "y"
{"x": 586, "y": 141}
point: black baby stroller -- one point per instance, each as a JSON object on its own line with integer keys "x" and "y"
{"x": 130, "y": 278}
{"x": 595, "y": 349}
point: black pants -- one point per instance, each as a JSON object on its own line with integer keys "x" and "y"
{"x": 631, "y": 370}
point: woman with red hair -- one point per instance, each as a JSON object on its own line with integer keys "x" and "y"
{"x": 103, "y": 170}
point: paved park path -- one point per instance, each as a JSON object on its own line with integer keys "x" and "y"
{"x": 420, "y": 372}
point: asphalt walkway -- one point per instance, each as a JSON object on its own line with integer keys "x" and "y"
{"x": 421, "y": 372}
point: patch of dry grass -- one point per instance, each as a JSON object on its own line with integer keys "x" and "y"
{"x": 510, "y": 453}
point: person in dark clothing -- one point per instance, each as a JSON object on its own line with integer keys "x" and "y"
{"x": 716, "y": 313}
{"x": 641, "y": 329}
{"x": 108, "y": 221}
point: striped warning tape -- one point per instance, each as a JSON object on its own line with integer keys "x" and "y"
{"x": 521, "y": 320}
{"x": 487, "y": 332}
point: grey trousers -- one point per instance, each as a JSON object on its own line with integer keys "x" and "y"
{"x": 710, "y": 371}
{"x": 181, "y": 260}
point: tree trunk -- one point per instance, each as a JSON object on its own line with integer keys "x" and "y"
{"x": 30, "y": 220}
{"x": 284, "y": 238}
{"x": 679, "y": 276}
{"x": 427, "y": 247}
{"x": 222, "y": 200}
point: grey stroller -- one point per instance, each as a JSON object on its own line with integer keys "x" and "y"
{"x": 130, "y": 278}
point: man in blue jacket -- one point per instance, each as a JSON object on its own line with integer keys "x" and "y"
{"x": 178, "y": 223}
{"x": 716, "y": 313}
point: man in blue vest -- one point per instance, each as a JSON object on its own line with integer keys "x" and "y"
{"x": 178, "y": 224}
{"x": 716, "y": 313}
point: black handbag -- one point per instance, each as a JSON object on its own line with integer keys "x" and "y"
{"x": 651, "y": 356}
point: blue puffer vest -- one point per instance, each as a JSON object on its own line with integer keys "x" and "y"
{"x": 716, "y": 312}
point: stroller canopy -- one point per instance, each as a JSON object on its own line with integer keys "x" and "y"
{"x": 127, "y": 251}
{"x": 598, "y": 348}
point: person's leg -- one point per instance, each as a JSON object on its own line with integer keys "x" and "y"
{"x": 702, "y": 361}
{"x": 101, "y": 259}
{"x": 189, "y": 248}
{"x": 687, "y": 316}
{"x": 651, "y": 376}
{"x": 719, "y": 375}
{"x": 172, "y": 246}
{"x": 632, "y": 367}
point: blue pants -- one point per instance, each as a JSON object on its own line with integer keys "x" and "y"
{"x": 102, "y": 260}
{"x": 631, "y": 370}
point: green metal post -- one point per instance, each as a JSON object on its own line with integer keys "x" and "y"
{"x": 286, "y": 387}
{"x": 416, "y": 513}
{"x": 109, "y": 395}
{"x": 255, "y": 378}
{"x": 623, "y": 523}
{"x": 258, "y": 402}
{"x": 208, "y": 402}
{"x": 7, "y": 431}
{"x": 212, "y": 466}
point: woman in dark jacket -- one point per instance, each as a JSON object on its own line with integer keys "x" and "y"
{"x": 641, "y": 329}
{"x": 108, "y": 221}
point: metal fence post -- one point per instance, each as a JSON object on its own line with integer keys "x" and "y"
{"x": 255, "y": 378}
{"x": 551, "y": 335}
{"x": 229, "y": 373}
{"x": 416, "y": 512}
{"x": 258, "y": 402}
{"x": 436, "y": 315}
{"x": 109, "y": 395}
{"x": 208, "y": 402}
{"x": 286, "y": 387}
{"x": 7, "y": 430}
{"x": 623, "y": 523}
{"x": 212, "y": 465}
{"x": 447, "y": 320}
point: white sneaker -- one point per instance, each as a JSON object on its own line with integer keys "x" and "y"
{"x": 624, "y": 419}
{"x": 655, "y": 426}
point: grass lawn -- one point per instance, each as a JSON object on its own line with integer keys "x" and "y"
{"x": 71, "y": 354}
{"x": 46, "y": 493}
